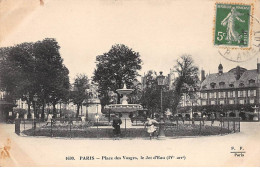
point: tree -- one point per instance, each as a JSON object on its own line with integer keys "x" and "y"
{"x": 187, "y": 78}
{"x": 18, "y": 72}
{"x": 52, "y": 75}
{"x": 136, "y": 95}
{"x": 78, "y": 95}
{"x": 151, "y": 92}
{"x": 114, "y": 68}
{"x": 30, "y": 69}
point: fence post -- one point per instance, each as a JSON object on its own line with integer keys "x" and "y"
{"x": 228, "y": 124}
{"x": 70, "y": 128}
{"x": 200, "y": 127}
{"x": 221, "y": 120}
{"x": 125, "y": 126}
{"x": 51, "y": 128}
{"x": 17, "y": 126}
{"x": 97, "y": 128}
{"x": 34, "y": 127}
{"x": 239, "y": 125}
{"x": 234, "y": 125}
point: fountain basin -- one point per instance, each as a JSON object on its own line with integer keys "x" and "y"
{"x": 121, "y": 108}
{"x": 124, "y": 91}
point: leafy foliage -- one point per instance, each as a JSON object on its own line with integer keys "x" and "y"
{"x": 119, "y": 65}
{"x": 31, "y": 69}
{"x": 187, "y": 79}
{"x": 78, "y": 95}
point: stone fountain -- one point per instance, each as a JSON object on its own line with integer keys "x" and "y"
{"x": 124, "y": 108}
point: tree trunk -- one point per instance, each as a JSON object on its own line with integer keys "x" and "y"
{"x": 29, "y": 109}
{"x": 43, "y": 107}
{"x": 77, "y": 114}
{"x": 54, "y": 109}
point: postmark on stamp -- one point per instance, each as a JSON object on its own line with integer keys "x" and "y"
{"x": 232, "y": 25}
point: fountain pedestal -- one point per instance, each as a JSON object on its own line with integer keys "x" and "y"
{"x": 124, "y": 108}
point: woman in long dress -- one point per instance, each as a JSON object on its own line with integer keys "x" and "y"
{"x": 232, "y": 34}
{"x": 151, "y": 128}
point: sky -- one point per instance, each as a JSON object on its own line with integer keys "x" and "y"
{"x": 160, "y": 31}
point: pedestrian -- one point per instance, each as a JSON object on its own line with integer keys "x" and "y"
{"x": 212, "y": 118}
{"x": 168, "y": 113}
{"x": 151, "y": 127}
{"x": 116, "y": 125}
{"x": 49, "y": 119}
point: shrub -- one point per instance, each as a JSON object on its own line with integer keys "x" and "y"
{"x": 21, "y": 112}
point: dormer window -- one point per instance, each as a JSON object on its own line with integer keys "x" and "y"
{"x": 241, "y": 85}
{"x": 204, "y": 87}
{"x": 251, "y": 82}
{"x": 231, "y": 85}
{"x": 222, "y": 84}
{"x": 213, "y": 85}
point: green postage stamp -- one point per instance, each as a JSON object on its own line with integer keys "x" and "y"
{"x": 232, "y": 25}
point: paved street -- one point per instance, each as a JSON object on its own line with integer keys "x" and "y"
{"x": 200, "y": 151}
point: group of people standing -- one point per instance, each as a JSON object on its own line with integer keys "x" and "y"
{"x": 150, "y": 124}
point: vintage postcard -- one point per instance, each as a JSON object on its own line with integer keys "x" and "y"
{"x": 129, "y": 83}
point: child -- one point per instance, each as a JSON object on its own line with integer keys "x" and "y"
{"x": 151, "y": 128}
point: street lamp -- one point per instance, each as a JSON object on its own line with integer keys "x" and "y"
{"x": 161, "y": 83}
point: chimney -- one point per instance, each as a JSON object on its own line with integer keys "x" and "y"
{"x": 238, "y": 72}
{"x": 220, "y": 68}
{"x": 258, "y": 67}
{"x": 203, "y": 75}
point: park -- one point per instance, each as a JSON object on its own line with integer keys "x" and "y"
{"x": 114, "y": 103}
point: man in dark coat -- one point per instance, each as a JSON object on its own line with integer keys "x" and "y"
{"x": 116, "y": 124}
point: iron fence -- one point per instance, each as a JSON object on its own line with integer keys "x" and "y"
{"x": 75, "y": 127}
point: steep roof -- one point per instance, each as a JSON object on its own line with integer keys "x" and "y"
{"x": 229, "y": 78}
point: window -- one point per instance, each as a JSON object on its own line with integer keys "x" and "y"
{"x": 222, "y": 84}
{"x": 204, "y": 102}
{"x": 204, "y": 95}
{"x": 241, "y": 85}
{"x": 251, "y": 82}
{"x": 241, "y": 101}
{"x": 231, "y": 94}
{"x": 212, "y": 85}
{"x": 251, "y": 101}
{"x": 198, "y": 102}
{"x": 222, "y": 94}
{"x": 241, "y": 93}
{"x": 231, "y": 101}
{"x": 212, "y": 95}
{"x": 222, "y": 102}
{"x": 251, "y": 93}
{"x": 212, "y": 102}
{"x": 231, "y": 85}
{"x": 204, "y": 87}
